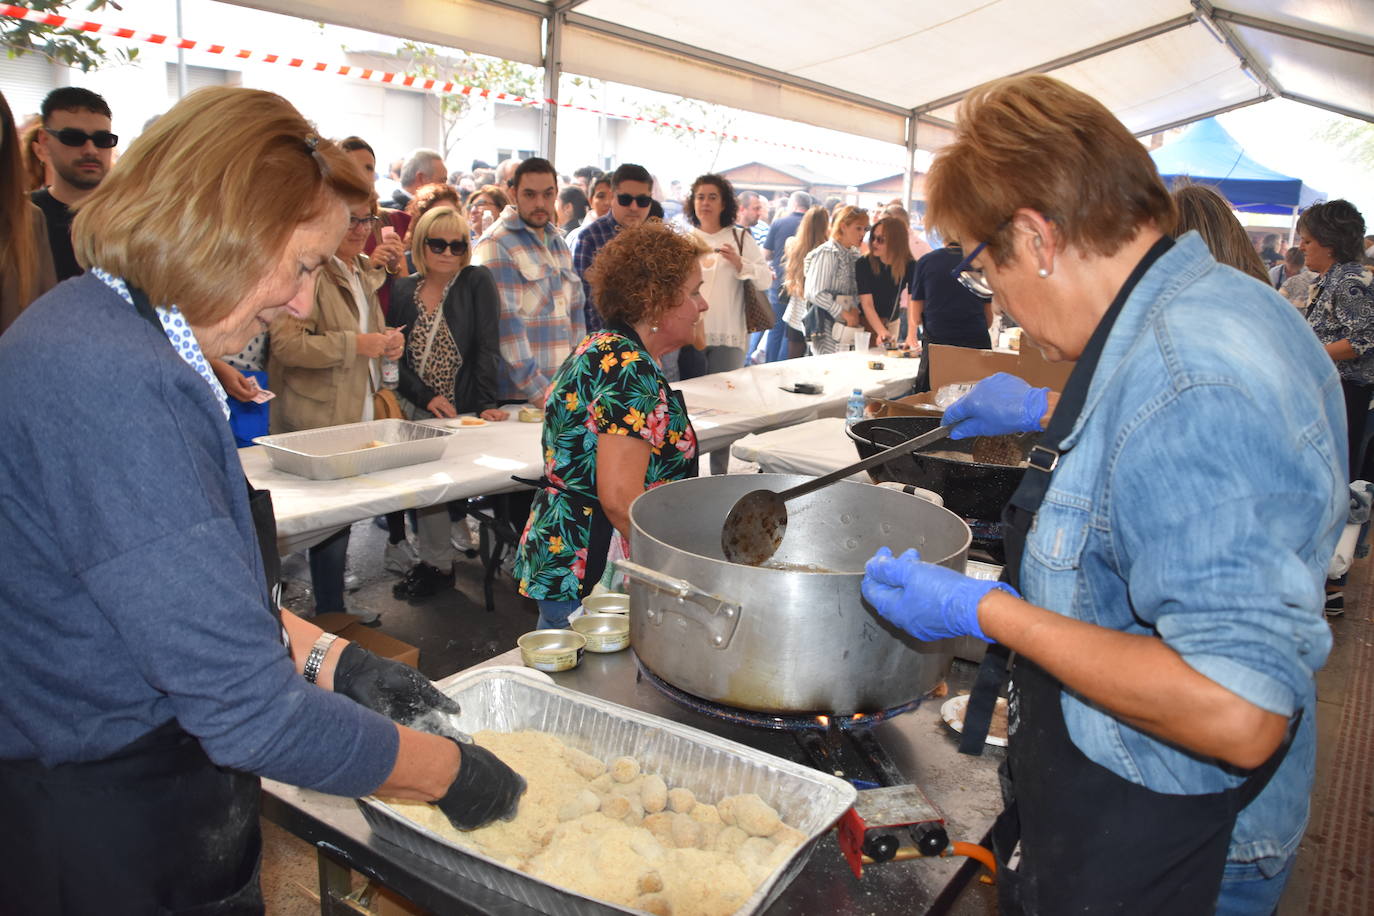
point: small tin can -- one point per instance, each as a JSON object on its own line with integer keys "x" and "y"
{"x": 551, "y": 650}
{"x": 604, "y": 632}
{"x": 875, "y": 364}
{"x": 606, "y": 603}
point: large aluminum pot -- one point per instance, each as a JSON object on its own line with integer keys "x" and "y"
{"x": 787, "y": 640}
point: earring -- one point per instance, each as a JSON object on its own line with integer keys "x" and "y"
{"x": 653, "y": 329}
{"x": 1042, "y": 273}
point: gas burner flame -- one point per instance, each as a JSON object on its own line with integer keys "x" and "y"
{"x": 824, "y": 720}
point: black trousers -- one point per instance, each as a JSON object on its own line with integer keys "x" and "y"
{"x": 1356, "y": 423}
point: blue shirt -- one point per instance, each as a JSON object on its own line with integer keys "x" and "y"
{"x": 589, "y": 241}
{"x": 1200, "y": 503}
{"x": 132, "y": 589}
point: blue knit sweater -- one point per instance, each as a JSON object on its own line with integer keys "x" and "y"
{"x": 131, "y": 587}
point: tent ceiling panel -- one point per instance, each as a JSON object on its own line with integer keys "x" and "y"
{"x": 472, "y": 25}
{"x": 1342, "y": 18}
{"x": 1160, "y": 81}
{"x": 609, "y": 57}
{"x": 1341, "y": 78}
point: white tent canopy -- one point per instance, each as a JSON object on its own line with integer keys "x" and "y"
{"x": 895, "y": 70}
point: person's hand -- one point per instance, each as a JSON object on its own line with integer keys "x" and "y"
{"x": 539, "y": 400}
{"x": 927, "y": 600}
{"x": 237, "y": 385}
{"x": 395, "y": 343}
{"x": 881, "y": 337}
{"x": 913, "y": 344}
{"x": 485, "y": 790}
{"x": 729, "y": 253}
{"x": 441, "y": 406}
{"x": 395, "y": 690}
{"x": 389, "y": 253}
{"x": 851, "y": 318}
{"x": 494, "y": 415}
{"x": 998, "y": 405}
{"x": 372, "y": 346}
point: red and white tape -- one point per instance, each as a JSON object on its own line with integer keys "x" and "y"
{"x": 402, "y": 80}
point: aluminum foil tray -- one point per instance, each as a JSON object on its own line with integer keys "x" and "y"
{"x": 340, "y": 451}
{"x": 711, "y": 767}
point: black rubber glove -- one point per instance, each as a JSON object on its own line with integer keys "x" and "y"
{"x": 485, "y": 790}
{"x": 395, "y": 690}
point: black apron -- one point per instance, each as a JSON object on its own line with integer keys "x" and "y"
{"x": 1091, "y": 841}
{"x": 156, "y": 828}
{"x": 599, "y": 540}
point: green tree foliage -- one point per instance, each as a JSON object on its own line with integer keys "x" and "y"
{"x": 72, "y": 47}
{"x": 694, "y": 113}
{"x": 468, "y": 69}
{"x": 1356, "y": 139}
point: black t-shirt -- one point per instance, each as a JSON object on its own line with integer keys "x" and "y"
{"x": 881, "y": 285}
{"x": 950, "y": 313}
{"x": 59, "y": 233}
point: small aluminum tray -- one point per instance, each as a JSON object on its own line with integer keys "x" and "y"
{"x": 711, "y": 767}
{"x": 339, "y": 451}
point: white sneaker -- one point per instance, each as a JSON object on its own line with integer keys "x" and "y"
{"x": 464, "y": 535}
{"x": 400, "y": 557}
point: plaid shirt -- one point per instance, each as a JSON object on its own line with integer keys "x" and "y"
{"x": 541, "y": 303}
{"x": 589, "y": 241}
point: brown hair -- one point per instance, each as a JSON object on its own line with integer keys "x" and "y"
{"x": 497, "y": 196}
{"x": 426, "y": 198}
{"x": 18, "y": 254}
{"x": 729, "y": 206}
{"x": 1337, "y": 225}
{"x": 437, "y": 218}
{"x": 638, "y": 275}
{"x": 843, "y": 216}
{"x": 1202, "y": 209}
{"x": 811, "y": 234}
{"x": 1035, "y": 142}
{"x": 224, "y": 176}
{"x": 896, "y": 250}
{"x": 35, "y": 171}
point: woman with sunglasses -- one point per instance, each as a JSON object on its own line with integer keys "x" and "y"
{"x": 1167, "y": 547}
{"x": 884, "y": 276}
{"x": 450, "y": 310}
{"x": 325, "y": 368}
{"x": 157, "y": 678}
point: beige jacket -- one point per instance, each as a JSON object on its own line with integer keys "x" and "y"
{"x": 314, "y": 367}
{"x": 44, "y": 277}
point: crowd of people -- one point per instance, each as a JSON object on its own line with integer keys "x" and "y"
{"x": 169, "y": 294}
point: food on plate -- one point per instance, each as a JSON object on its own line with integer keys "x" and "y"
{"x": 620, "y": 835}
{"x": 998, "y": 726}
{"x": 373, "y": 443}
{"x": 471, "y": 421}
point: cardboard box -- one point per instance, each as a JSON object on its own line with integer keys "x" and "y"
{"x": 950, "y": 365}
{"x": 347, "y": 626}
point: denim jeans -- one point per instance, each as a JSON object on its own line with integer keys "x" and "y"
{"x": 327, "y": 559}
{"x": 776, "y": 348}
{"x": 553, "y": 615}
{"x": 1246, "y": 892}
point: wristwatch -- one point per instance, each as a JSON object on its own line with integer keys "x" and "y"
{"x": 318, "y": 651}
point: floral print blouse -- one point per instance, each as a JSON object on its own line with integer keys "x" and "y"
{"x": 609, "y": 385}
{"x": 1342, "y": 308}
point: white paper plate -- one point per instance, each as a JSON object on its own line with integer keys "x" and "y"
{"x": 953, "y": 713}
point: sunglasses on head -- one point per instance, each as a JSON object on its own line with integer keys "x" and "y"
{"x": 639, "y": 200}
{"x": 70, "y": 136}
{"x": 455, "y": 247}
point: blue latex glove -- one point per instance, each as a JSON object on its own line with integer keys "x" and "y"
{"x": 926, "y": 600}
{"x": 998, "y": 405}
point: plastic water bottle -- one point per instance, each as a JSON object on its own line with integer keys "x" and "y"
{"x": 854, "y": 410}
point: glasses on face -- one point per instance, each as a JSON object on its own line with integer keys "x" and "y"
{"x": 367, "y": 222}
{"x": 455, "y": 247}
{"x": 638, "y": 200}
{"x": 70, "y": 136}
{"x": 972, "y": 277}
{"x": 876, "y": 239}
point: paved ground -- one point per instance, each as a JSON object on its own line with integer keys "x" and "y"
{"x": 1334, "y": 875}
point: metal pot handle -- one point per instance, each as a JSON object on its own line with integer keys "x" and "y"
{"x": 719, "y": 616}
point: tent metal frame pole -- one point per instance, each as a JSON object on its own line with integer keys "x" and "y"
{"x": 1228, "y": 37}
{"x": 913, "y": 124}
{"x": 553, "y": 69}
{"x": 1106, "y": 47}
{"x": 1328, "y": 106}
{"x": 1202, "y": 116}
{"x": 1290, "y": 31}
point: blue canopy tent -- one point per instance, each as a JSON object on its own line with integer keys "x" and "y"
{"x": 1206, "y": 154}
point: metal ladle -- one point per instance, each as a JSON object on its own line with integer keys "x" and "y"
{"x": 758, "y": 520}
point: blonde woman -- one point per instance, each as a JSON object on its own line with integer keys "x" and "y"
{"x": 451, "y": 314}
{"x": 831, "y": 290}
{"x": 811, "y": 233}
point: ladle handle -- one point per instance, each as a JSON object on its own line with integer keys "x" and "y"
{"x": 911, "y": 445}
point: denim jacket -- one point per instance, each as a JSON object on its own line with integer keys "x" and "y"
{"x": 1199, "y": 500}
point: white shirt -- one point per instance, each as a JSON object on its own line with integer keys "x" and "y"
{"x": 723, "y": 286}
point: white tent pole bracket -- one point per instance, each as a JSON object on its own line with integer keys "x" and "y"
{"x": 1227, "y": 36}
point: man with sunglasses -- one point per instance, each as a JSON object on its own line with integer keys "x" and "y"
{"x": 631, "y": 195}
{"x": 76, "y": 142}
